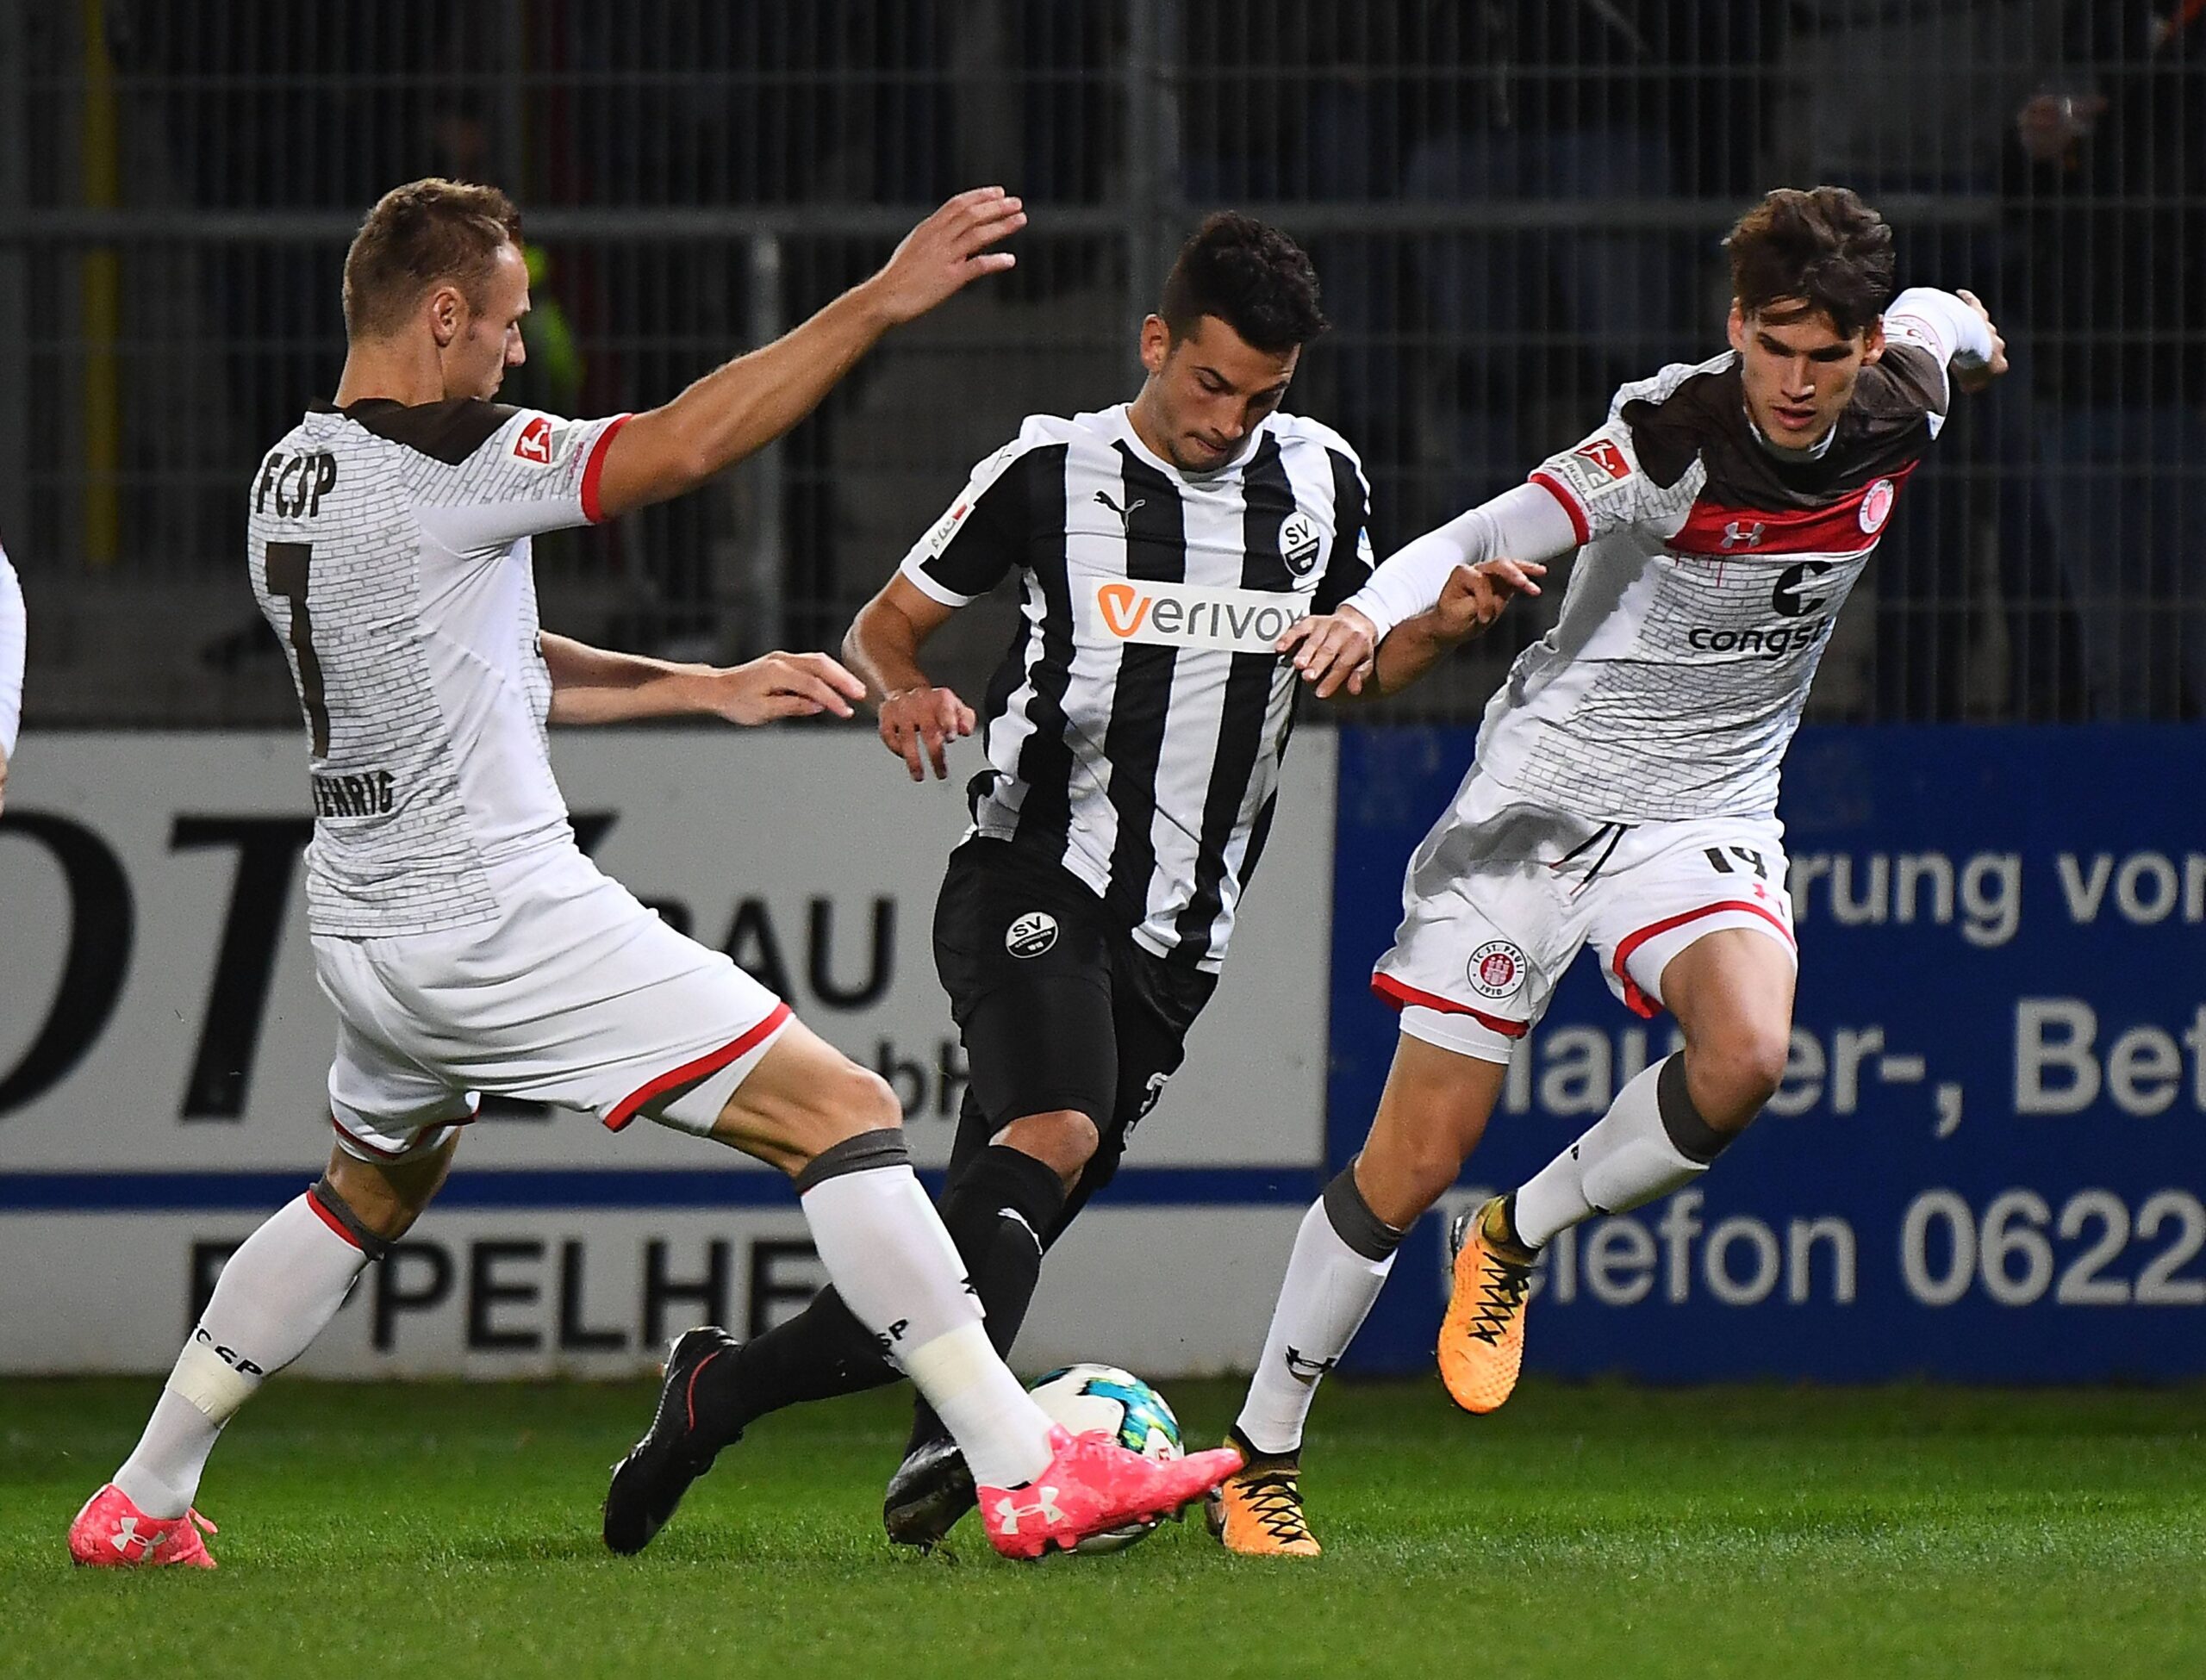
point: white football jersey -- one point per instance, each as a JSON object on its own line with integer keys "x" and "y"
{"x": 1711, "y": 572}
{"x": 389, "y": 547}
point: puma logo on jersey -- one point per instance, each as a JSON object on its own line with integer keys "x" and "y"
{"x": 1126, "y": 513}
{"x": 534, "y": 443}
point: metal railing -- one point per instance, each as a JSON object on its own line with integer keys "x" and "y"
{"x": 1512, "y": 205}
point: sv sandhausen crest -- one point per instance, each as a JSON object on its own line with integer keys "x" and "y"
{"x": 1186, "y": 615}
{"x": 1297, "y": 543}
{"x": 1031, "y": 934}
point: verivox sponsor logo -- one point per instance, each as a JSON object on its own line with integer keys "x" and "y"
{"x": 1186, "y": 615}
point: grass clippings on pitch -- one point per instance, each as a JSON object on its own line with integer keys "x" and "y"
{"x": 1758, "y": 1532}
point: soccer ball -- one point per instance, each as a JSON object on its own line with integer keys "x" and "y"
{"x": 1083, "y": 1397}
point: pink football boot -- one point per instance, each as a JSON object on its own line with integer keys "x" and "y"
{"x": 1092, "y": 1484}
{"x": 111, "y": 1533}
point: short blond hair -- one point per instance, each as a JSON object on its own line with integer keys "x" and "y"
{"x": 418, "y": 235}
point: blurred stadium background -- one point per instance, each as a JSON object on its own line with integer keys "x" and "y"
{"x": 1512, "y": 203}
{"x": 1983, "y": 1167}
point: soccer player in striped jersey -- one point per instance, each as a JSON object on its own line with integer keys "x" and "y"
{"x": 1165, "y": 548}
{"x": 1624, "y": 793}
{"x": 467, "y": 943}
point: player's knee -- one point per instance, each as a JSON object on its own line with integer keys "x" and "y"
{"x": 1740, "y": 1069}
{"x": 1407, "y": 1171}
{"x": 1064, "y": 1140}
{"x": 364, "y": 1200}
{"x": 862, "y": 1101}
{"x": 844, "y": 1103}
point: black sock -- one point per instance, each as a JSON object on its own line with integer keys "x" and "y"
{"x": 821, "y": 1353}
{"x": 996, "y": 1209}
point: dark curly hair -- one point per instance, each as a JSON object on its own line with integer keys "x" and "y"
{"x": 1251, "y": 277}
{"x": 1823, "y": 247}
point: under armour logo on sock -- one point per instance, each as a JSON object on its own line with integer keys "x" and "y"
{"x": 1307, "y": 1369}
{"x": 1009, "y": 1515}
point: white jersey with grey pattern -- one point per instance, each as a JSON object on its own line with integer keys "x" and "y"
{"x": 389, "y": 549}
{"x": 1696, "y": 614}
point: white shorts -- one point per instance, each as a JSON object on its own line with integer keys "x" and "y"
{"x": 1502, "y": 894}
{"x": 578, "y": 995}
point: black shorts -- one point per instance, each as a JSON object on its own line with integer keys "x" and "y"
{"x": 1059, "y": 1007}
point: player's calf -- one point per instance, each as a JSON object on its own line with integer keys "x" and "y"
{"x": 278, "y": 1292}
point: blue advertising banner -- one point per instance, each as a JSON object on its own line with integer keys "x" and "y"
{"x": 1987, "y": 1158}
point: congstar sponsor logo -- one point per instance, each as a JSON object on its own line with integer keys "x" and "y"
{"x": 1186, "y": 615}
{"x": 1771, "y": 643}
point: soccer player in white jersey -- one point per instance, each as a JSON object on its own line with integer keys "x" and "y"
{"x": 1623, "y": 792}
{"x": 467, "y": 943}
{"x": 12, "y": 632}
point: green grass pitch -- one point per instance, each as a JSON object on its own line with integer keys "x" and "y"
{"x": 1601, "y": 1531}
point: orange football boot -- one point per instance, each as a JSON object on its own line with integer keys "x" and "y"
{"x": 1482, "y": 1338}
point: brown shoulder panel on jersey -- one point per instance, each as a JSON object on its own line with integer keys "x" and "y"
{"x": 1667, "y": 435}
{"x": 447, "y": 432}
{"x": 1905, "y": 385}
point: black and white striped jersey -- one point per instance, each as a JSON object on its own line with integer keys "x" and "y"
{"x": 1134, "y": 728}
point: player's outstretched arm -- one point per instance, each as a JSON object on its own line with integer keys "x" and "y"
{"x": 1472, "y": 598}
{"x": 592, "y": 686}
{"x": 883, "y": 648}
{"x": 1421, "y": 594}
{"x": 1348, "y": 659}
{"x": 738, "y": 408}
{"x": 1956, "y": 327}
{"x": 1973, "y": 372}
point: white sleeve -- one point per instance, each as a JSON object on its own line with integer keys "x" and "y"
{"x": 1526, "y": 523}
{"x": 1941, "y": 323}
{"x": 535, "y": 473}
{"x": 12, "y": 631}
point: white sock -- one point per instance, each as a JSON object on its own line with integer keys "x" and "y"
{"x": 282, "y": 1286}
{"x": 895, "y": 1267}
{"x": 1323, "y": 1301}
{"x": 1625, "y": 1161}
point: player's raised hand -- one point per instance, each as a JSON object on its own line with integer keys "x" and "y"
{"x": 783, "y": 685}
{"x": 1474, "y": 596}
{"x": 1970, "y": 374}
{"x": 1332, "y": 649}
{"x": 924, "y": 720}
{"x": 949, "y": 248}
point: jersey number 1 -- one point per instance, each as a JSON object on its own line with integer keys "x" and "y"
{"x": 287, "y": 576}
